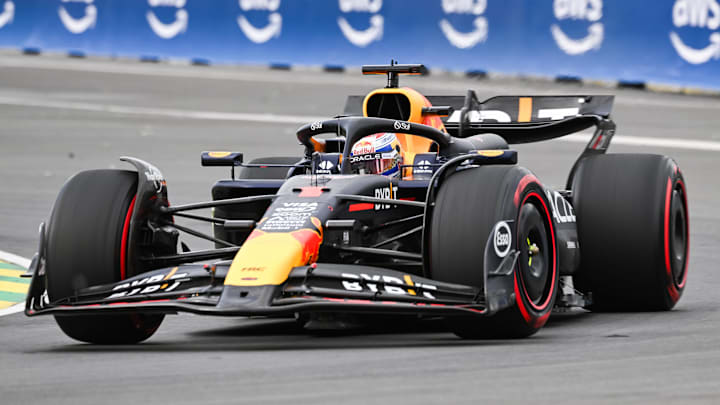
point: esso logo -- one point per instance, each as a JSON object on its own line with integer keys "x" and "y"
{"x": 316, "y": 125}
{"x": 502, "y": 238}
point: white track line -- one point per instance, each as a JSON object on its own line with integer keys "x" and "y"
{"x": 20, "y": 261}
{"x": 160, "y": 112}
{"x": 625, "y": 140}
{"x": 256, "y": 74}
{"x": 673, "y": 143}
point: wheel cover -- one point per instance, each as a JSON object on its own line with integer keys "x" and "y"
{"x": 536, "y": 267}
{"x": 678, "y": 236}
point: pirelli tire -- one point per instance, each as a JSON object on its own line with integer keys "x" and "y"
{"x": 468, "y": 206}
{"x": 87, "y": 245}
{"x": 633, "y": 229}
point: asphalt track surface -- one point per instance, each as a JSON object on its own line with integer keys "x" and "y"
{"x": 60, "y": 116}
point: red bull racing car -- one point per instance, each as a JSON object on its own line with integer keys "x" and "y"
{"x": 406, "y": 205}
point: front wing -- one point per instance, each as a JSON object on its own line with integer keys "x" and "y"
{"x": 200, "y": 289}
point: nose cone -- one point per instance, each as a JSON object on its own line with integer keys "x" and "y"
{"x": 266, "y": 258}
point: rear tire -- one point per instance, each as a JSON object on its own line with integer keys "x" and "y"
{"x": 468, "y": 206}
{"x": 87, "y": 227}
{"x": 633, "y": 231}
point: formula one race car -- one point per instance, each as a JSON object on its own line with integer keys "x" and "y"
{"x": 406, "y": 205}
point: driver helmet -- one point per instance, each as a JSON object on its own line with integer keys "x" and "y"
{"x": 376, "y": 154}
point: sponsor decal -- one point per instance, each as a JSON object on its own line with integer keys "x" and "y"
{"x": 587, "y": 10}
{"x": 159, "y": 282}
{"x": 316, "y": 125}
{"x": 362, "y": 38}
{"x": 363, "y": 146}
{"x": 480, "y": 116}
{"x": 7, "y": 14}
{"x": 290, "y": 216}
{"x": 77, "y": 25}
{"x": 169, "y": 30}
{"x": 503, "y": 117}
{"x": 502, "y": 239}
{"x": 461, "y": 39}
{"x": 218, "y": 154}
{"x": 562, "y": 210}
{"x": 423, "y": 167}
{"x": 364, "y": 158}
{"x": 153, "y": 174}
{"x": 388, "y": 193}
{"x": 703, "y": 14}
{"x": 400, "y": 125}
{"x": 325, "y": 167}
{"x": 262, "y": 34}
{"x": 389, "y": 284}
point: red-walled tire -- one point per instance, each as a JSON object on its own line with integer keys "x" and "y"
{"x": 633, "y": 229}
{"x": 468, "y": 206}
{"x": 87, "y": 232}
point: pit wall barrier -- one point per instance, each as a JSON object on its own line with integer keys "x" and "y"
{"x": 674, "y": 42}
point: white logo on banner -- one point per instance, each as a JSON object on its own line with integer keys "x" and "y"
{"x": 78, "y": 25}
{"x": 7, "y": 14}
{"x": 171, "y": 30}
{"x": 464, "y": 40}
{"x": 362, "y": 38}
{"x": 589, "y": 10}
{"x": 273, "y": 27}
{"x": 699, "y": 14}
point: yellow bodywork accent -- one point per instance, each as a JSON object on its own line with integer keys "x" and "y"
{"x": 172, "y": 273}
{"x": 490, "y": 153}
{"x": 218, "y": 154}
{"x": 525, "y": 109}
{"x": 408, "y": 281}
{"x": 265, "y": 260}
{"x": 410, "y": 144}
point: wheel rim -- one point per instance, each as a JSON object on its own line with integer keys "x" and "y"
{"x": 534, "y": 261}
{"x": 679, "y": 236}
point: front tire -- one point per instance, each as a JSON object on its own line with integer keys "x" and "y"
{"x": 86, "y": 246}
{"x": 468, "y": 207}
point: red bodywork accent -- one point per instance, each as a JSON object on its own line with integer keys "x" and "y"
{"x": 311, "y": 191}
{"x": 528, "y": 178}
{"x": 361, "y": 207}
{"x": 597, "y": 142}
{"x": 123, "y": 243}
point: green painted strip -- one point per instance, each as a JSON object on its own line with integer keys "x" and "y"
{"x": 15, "y": 279}
{"x": 6, "y": 265}
{"x": 11, "y": 296}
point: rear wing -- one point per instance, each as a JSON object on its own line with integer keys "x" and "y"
{"x": 518, "y": 119}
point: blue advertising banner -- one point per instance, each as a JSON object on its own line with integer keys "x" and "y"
{"x": 664, "y": 41}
